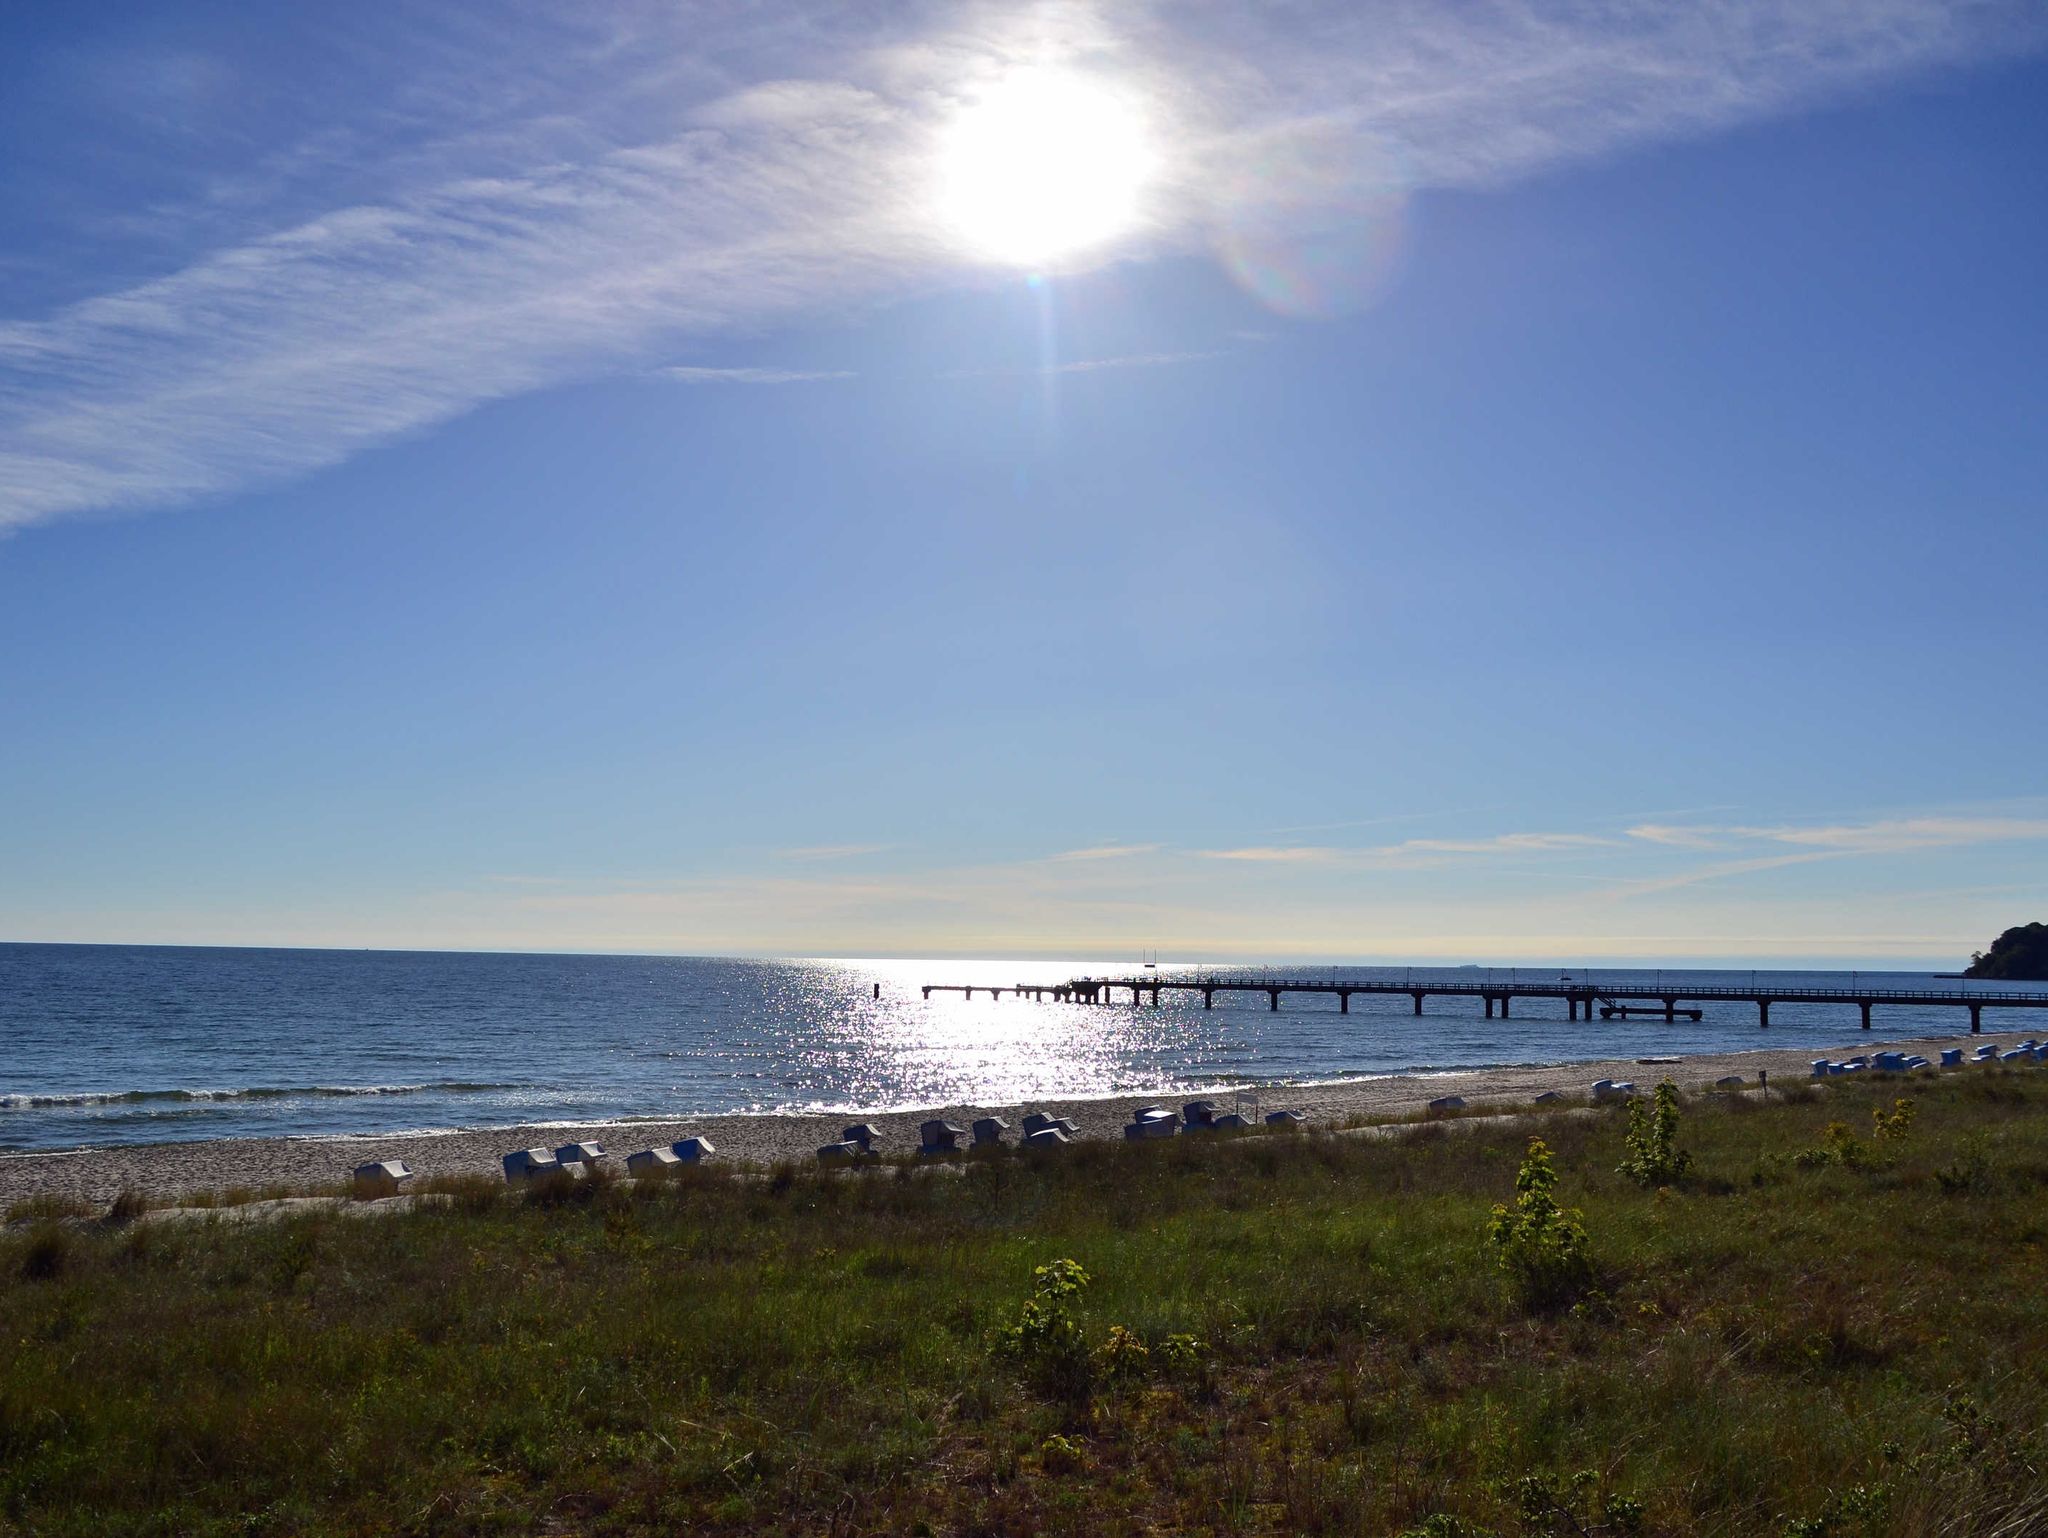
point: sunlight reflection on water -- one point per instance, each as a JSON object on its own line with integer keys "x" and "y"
{"x": 128, "y": 1044}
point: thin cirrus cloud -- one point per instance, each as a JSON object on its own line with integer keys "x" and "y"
{"x": 1881, "y": 836}
{"x": 686, "y": 374}
{"x": 659, "y": 201}
{"x": 1411, "y": 851}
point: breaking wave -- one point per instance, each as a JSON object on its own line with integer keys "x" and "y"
{"x": 25, "y": 1102}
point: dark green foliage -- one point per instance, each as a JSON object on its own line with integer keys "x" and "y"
{"x": 1578, "y": 1507}
{"x": 48, "y": 1251}
{"x": 1279, "y": 1335}
{"x": 2019, "y": 955}
{"x": 1654, "y": 1157}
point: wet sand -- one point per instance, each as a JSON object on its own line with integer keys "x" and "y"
{"x": 162, "y": 1170}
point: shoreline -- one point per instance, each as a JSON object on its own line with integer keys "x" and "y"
{"x": 160, "y": 1170}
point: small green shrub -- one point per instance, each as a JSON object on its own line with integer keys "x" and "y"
{"x": 1654, "y": 1157}
{"x": 1970, "y": 1172}
{"x": 1553, "y": 1507}
{"x": 1838, "y": 1146}
{"x": 1541, "y": 1246}
{"x": 1121, "y": 1355}
{"x": 1893, "y": 1126}
{"x": 1047, "y": 1340}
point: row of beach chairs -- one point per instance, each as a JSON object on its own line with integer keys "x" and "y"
{"x": 572, "y": 1161}
{"x": 939, "y": 1137}
{"x": 1199, "y": 1116}
{"x": 2028, "y": 1051}
{"x": 577, "y": 1160}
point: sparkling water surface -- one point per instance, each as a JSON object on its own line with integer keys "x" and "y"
{"x": 124, "y": 1044}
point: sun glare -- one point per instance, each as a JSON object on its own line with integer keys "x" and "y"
{"x": 1044, "y": 165}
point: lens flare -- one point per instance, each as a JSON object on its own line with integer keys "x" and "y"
{"x": 1312, "y": 224}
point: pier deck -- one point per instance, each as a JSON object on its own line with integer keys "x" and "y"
{"x": 1581, "y": 998}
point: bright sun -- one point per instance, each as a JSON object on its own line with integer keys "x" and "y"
{"x": 1042, "y": 166}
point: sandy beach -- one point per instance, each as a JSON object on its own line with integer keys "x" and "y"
{"x": 162, "y": 1170}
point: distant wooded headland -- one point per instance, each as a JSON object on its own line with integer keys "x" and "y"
{"x": 2020, "y": 955}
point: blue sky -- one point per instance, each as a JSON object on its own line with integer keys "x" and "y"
{"x": 1515, "y": 483}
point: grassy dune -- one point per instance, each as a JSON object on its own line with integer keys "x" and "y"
{"x": 1303, "y": 1334}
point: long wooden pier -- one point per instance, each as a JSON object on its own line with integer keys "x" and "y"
{"x": 1581, "y": 997}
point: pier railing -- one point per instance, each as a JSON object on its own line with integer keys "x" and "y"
{"x": 1581, "y": 995}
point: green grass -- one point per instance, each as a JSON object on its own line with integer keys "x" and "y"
{"x": 1769, "y": 1347}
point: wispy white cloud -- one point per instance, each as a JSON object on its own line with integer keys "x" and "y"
{"x": 1104, "y": 852}
{"x": 584, "y": 230}
{"x": 1676, "y": 837}
{"x": 688, "y": 374}
{"x": 1881, "y": 836}
{"x": 1898, "y": 835}
{"x": 1276, "y": 854}
{"x": 1500, "y": 843}
{"x": 829, "y": 851}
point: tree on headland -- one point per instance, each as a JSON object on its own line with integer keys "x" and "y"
{"x": 2020, "y": 955}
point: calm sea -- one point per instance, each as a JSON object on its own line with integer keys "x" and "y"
{"x": 126, "y": 1044}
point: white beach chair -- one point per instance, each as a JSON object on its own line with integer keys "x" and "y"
{"x": 1198, "y": 1113}
{"x": 692, "y": 1150}
{"x": 1729, "y": 1081}
{"x": 937, "y": 1137}
{"x": 1448, "y": 1103}
{"x": 651, "y": 1161}
{"x": 840, "y": 1153}
{"x": 862, "y": 1134}
{"x": 988, "y": 1132}
{"x": 1165, "y": 1124}
{"x": 580, "y": 1153}
{"x": 527, "y": 1163}
{"x": 1230, "y": 1121}
{"x": 1951, "y": 1057}
{"x": 381, "y": 1178}
{"x": 1285, "y": 1119}
{"x": 1047, "y": 1136}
